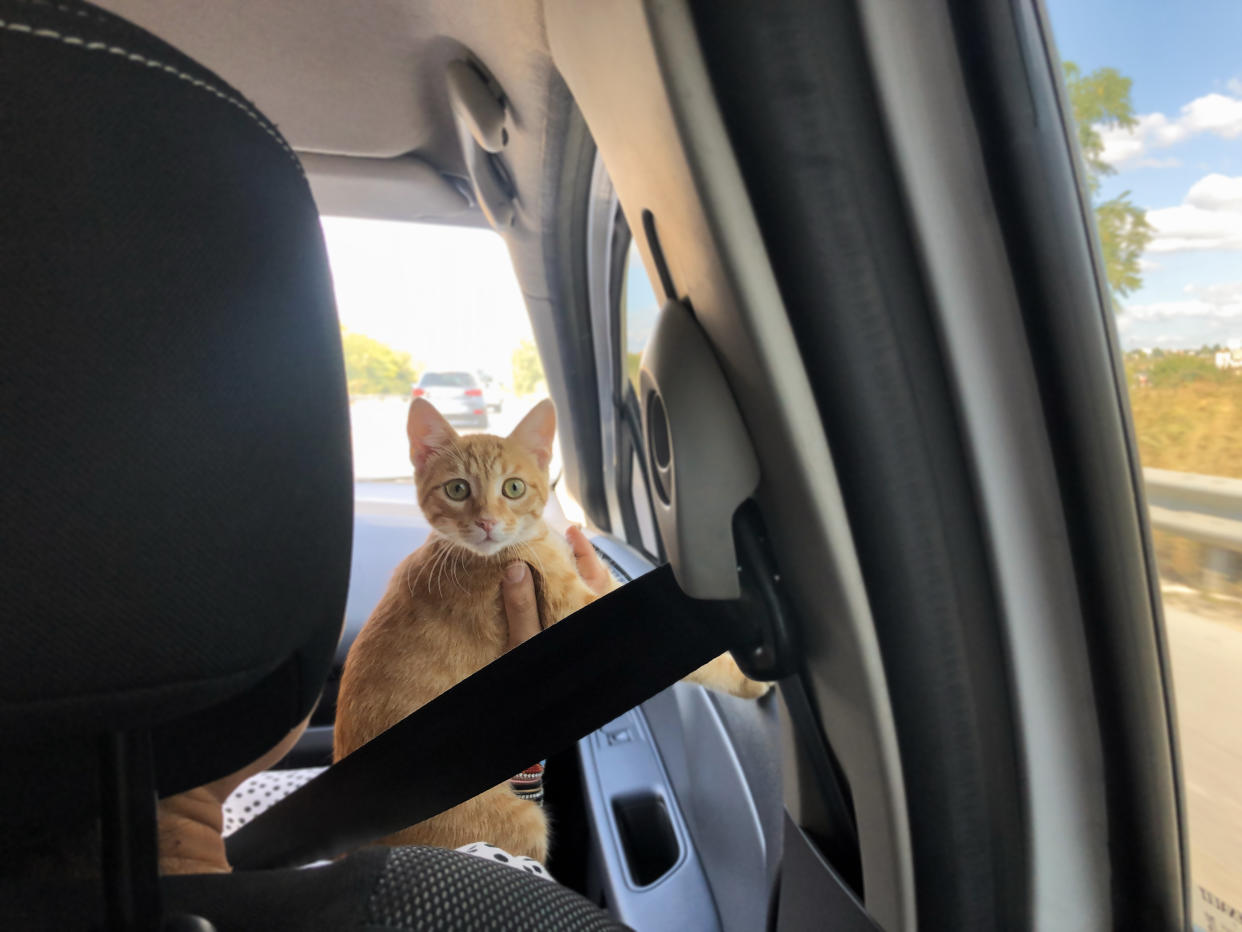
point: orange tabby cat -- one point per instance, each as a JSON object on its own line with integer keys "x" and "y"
{"x": 442, "y": 617}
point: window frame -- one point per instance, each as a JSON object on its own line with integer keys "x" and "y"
{"x": 608, "y": 240}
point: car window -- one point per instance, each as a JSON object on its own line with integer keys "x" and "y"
{"x": 1156, "y": 93}
{"x": 638, "y": 311}
{"x": 426, "y": 306}
{"x": 639, "y": 308}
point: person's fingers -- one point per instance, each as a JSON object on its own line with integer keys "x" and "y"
{"x": 521, "y": 611}
{"x": 590, "y": 567}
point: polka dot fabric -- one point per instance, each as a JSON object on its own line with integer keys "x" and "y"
{"x": 262, "y": 791}
{"x": 481, "y": 849}
{"x": 425, "y": 889}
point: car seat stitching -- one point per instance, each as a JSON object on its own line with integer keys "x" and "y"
{"x": 64, "y": 8}
{"x": 95, "y": 46}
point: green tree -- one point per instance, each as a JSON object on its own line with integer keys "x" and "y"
{"x": 372, "y": 368}
{"x": 1102, "y": 99}
{"x": 527, "y": 368}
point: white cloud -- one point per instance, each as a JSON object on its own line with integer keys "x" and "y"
{"x": 1221, "y": 301}
{"x": 1193, "y": 322}
{"x": 1210, "y": 217}
{"x": 1234, "y": 86}
{"x": 1214, "y": 113}
{"x": 1186, "y": 332}
{"x": 1186, "y": 228}
{"x": 1225, "y": 295}
{"x": 1167, "y": 310}
{"x": 1220, "y": 114}
{"x": 1149, "y": 162}
{"x": 1216, "y": 192}
{"x": 1151, "y": 131}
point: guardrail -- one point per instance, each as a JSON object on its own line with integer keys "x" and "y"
{"x": 1204, "y": 509}
{"x": 1207, "y": 509}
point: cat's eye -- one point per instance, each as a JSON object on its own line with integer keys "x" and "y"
{"x": 457, "y": 489}
{"x": 513, "y": 488}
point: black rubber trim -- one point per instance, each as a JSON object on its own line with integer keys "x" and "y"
{"x": 840, "y": 849}
{"x": 1011, "y": 74}
{"x": 805, "y": 124}
{"x": 625, "y": 451}
{"x": 657, "y": 256}
{"x": 569, "y": 159}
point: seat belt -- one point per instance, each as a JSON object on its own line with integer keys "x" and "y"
{"x": 591, "y": 667}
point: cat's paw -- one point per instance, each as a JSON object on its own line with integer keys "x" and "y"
{"x": 746, "y": 688}
{"x": 724, "y": 675}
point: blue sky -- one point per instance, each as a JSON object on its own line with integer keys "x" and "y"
{"x": 1183, "y": 163}
{"x": 641, "y": 306}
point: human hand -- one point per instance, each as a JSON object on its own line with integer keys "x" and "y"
{"x": 517, "y": 587}
{"x": 590, "y": 567}
{"x": 191, "y": 824}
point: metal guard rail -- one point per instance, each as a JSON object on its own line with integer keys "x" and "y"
{"x": 1206, "y": 509}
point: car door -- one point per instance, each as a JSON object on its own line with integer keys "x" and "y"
{"x": 873, "y": 214}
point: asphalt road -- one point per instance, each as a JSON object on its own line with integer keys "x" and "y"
{"x": 1206, "y": 647}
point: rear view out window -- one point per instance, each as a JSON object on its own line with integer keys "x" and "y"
{"x": 438, "y": 308}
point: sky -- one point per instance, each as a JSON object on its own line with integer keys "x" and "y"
{"x": 641, "y": 306}
{"x": 445, "y": 295}
{"x": 1182, "y": 163}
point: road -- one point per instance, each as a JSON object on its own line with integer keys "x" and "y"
{"x": 1206, "y": 649}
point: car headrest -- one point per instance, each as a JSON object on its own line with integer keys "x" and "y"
{"x": 176, "y": 497}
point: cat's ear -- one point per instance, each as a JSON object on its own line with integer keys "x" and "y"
{"x": 428, "y": 431}
{"x": 534, "y": 432}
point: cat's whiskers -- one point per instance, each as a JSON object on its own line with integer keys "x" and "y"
{"x": 409, "y": 585}
{"x": 435, "y": 571}
{"x": 459, "y": 556}
{"x": 424, "y": 567}
{"x": 445, "y": 565}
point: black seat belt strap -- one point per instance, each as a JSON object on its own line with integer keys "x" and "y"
{"x": 590, "y": 668}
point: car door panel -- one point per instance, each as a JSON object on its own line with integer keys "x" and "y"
{"x": 721, "y": 761}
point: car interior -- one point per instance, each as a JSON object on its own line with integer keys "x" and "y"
{"x": 878, "y": 445}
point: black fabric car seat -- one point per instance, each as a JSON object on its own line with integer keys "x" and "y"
{"x": 176, "y": 499}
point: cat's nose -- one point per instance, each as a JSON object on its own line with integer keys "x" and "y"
{"x": 486, "y": 524}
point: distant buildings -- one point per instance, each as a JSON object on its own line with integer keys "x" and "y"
{"x": 1229, "y": 359}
